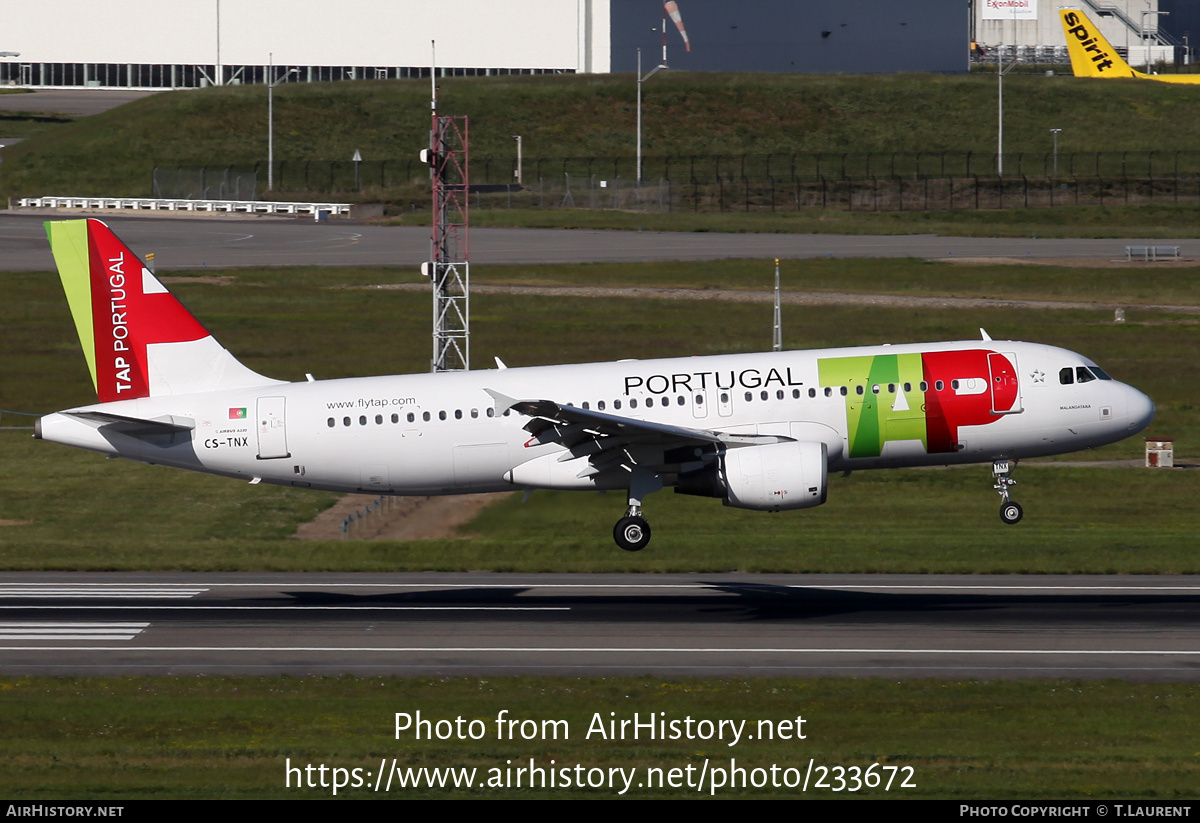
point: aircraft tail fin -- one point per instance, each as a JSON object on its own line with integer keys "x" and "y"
{"x": 1091, "y": 53}
{"x": 138, "y": 340}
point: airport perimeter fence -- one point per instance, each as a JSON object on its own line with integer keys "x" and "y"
{"x": 205, "y": 183}
{"x": 884, "y": 181}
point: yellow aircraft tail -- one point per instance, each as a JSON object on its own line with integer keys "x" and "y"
{"x": 1091, "y": 53}
{"x": 1093, "y": 56}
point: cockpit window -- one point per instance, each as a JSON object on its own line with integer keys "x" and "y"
{"x": 1083, "y": 375}
{"x": 1099, "y": 372}
{"x": 1066, "y": 376}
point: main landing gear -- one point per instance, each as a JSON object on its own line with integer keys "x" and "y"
{"x": 1010, "y": 510}
{"x": 632, "y": 532}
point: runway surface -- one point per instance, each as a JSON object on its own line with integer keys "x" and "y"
{"x": 1133, "y": 628}
{"x": 241, "y": 242}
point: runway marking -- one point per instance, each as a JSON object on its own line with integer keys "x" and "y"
{"x": 89, "y": 590}
{"x": 611, "y": 650}
{"x": 70, "y": 631}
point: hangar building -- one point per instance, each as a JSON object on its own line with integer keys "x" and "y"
{"x": 192, "y": 43}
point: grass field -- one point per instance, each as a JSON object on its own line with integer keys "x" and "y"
{"x": 86, "y": 512}
{"x": 106, "y": 739}
{"x": 1145, "y": 221}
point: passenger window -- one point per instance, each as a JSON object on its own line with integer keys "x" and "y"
{"x": 681, "y": 401}
{"x": 395, "y": 418}
{"x": 724, "y": 397}
{"x": 811, "y": 392}
{"x": 875, "y": 389}
{"x": 425, "y": 417}
{"x": 924, "y": 386}
{"x": 586, "y": 405}
{"x": 954, "y": 385}
{"x": 891, "y": 388}
{"x": 908, "y": 387}
{"x": 331, "y": 423}
{"x": 458, "y": 414}
{"x": 699, "y": 400}
{"x": 600, "y": 405}
{"x": 362, "y": 420}
{"x": 475, "y": 413}
{"x": 491, "y": 412}
{"x": 939, "y": 385}
{"x": 411, "y": 417}
{"x": 379, "y": 420}
{"x": 345, "y": 421}
{"x": 616, "y": 404}
{"x": 859, "y": 391}
{"x": 441, "y": 415}
{"x": 749, "y": 396}
{"x": 1066, "y": 376}
{"x": 844, "y": 392}
{"x": 633, "y": 403}
{"x": 764, "y": 395}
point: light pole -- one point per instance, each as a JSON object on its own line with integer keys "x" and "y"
{"x": 1055, "y": 133}
{"x": 1146, "y": 31}
{"x": 1000, "y": 72}
{"x": 640, "y": 80}
{"x": 271, "y": 84}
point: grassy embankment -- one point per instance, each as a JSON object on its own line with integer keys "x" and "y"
{"x": 87, "y": 512}
{"x": 685, "y": 114}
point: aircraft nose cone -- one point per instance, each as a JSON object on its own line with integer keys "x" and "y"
{"x": 1140, "y": 410}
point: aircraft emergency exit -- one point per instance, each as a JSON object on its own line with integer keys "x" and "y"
{"x": 1093, "y": 56}
{"x": 757, "y": 431}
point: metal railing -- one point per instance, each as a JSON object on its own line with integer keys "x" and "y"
{"x": 153, "y": 204}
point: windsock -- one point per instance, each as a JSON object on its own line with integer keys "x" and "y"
{"x": 672, "y": 10}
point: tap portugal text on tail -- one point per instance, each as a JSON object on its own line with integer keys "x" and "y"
{"x": 756, "y": 431}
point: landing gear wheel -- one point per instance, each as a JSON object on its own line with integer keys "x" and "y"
{"x": 1011, "y": 512}
{"x": 632, "y": 533}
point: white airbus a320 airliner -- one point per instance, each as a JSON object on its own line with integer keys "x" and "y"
{"x": 757, "y": 431}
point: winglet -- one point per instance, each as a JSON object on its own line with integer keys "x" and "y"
{"x": 503, "y": 401}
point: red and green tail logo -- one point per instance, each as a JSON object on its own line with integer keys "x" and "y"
{"x": 119, "y": 307}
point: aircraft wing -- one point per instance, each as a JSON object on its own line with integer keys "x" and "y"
{"x": 599, "y": 435}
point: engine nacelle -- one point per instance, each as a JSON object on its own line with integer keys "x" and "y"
{"x": 765, "y": 478}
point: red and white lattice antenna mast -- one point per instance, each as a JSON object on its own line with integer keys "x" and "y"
{"x": 449, "y": 266}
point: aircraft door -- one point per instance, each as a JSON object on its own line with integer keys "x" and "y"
{"x": 700, "y": 404}
{"x": 725, "y": 402}
{"x": 272, "y": 432}
{"x": 1006, "y": 393}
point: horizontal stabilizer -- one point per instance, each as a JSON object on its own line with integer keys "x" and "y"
{"x": 136, "y": 426}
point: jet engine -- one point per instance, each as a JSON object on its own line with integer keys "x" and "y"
{"x": 772, "y": 478}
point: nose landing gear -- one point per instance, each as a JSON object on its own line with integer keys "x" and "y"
{"x": 1010, "y": 510}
